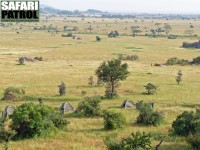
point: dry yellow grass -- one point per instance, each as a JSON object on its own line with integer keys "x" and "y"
{"x": 73, "y": 61}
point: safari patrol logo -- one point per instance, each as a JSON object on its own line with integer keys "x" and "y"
{"x": 20, "y": 10}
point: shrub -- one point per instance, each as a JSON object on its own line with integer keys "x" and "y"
{"x": 90, "y": 106}
{"x": 138, "y": 141}
{"x": 194, "y": 140}
{"x": 176, "y": 61}
{"x": 186, "y": 123}
{"x": 149, "y": 117}
{"x": 12, "y": 93}
{"x": 113, "y": 120}
{"x": 151, "y": 89}
{"x": 31, "y": 120}
{"x": 98, "y": 38}
{"x": 196, "y": 61}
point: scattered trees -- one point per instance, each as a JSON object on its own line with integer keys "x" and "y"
{"x": 111, "y": 72}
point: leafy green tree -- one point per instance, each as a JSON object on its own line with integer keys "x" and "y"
{"x": 111, "y": 72}
{"x": 151, "y": 89}
{"x": 186, "y": 123}
{"x": 113, "y": 120}
{"x": 137, "y": 141}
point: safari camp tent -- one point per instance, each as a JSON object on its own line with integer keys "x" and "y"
{"x": 8, "y": 111}
{"x": 128, "y": 104}
{"x": 66, "y": 107}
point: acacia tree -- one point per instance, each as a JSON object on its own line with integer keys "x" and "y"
{"x": 135, "y": 30}
{"x": 111, "y": 72}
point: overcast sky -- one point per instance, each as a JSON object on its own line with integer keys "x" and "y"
{"x": 146, "y": 6}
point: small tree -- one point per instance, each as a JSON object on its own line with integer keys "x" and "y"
{"x": 179, "y": 77}
{"x": 62, "y": 88}
{"x": 111, "y": 72}
{"x": 90, "y": 81}
{"x": 113, "y": 120}
{"x": 151, "y": 89}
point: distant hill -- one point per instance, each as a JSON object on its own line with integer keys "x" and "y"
{"x": 44, "y": 9}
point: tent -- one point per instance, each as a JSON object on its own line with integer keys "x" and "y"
{"x": 66, "y": 107}
{"x": 128, "y": 104}
{"x": 8, "y": 111}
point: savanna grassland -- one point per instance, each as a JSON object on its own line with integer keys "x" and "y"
{"x": 74, "y": 61}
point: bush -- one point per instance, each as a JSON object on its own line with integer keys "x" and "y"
{"x": 31, "y": 120}
{"x": 176, "y": 61}
{"x": 196, "y": 61}
{"x": 90, "y": 107}
{"x": 194, "y": 140}
{"x": 149, "y": 117}
{"x": 113, "y": 120}
{"x": 136, "y": 141}
{"x": 186, "y": 123}
{"x": 12, "y": 93}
